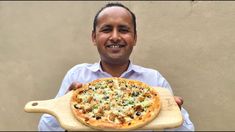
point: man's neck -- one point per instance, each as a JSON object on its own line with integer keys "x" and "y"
{"x": 115, "y": 70}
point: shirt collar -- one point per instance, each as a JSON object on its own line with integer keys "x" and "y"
{"x": 134, "y": 68}
{"x": 97, "y": 67}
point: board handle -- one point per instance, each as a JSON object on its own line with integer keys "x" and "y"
{"x": 44, "y": 106}
{"x": 52, "y": 106}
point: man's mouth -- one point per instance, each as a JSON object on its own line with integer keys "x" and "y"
{"x": 115, "y": 46}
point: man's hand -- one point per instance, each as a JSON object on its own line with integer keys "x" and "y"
{"x": 74, "y": 85}
{"x": 179, "y": 101}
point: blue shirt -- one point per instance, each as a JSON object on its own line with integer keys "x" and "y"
{"x": 85, "y": 73}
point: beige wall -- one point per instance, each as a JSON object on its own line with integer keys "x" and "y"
{"x": 191, "y": 43}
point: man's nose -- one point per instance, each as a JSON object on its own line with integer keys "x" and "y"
{"x": 115, "y": 36}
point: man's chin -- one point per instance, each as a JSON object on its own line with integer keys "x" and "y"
{"x": 117, "y": 61}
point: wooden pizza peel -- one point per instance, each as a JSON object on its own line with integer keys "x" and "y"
{"x": 169, "y": 116}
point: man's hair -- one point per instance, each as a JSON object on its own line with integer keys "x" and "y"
{"x": 112, "y": 5}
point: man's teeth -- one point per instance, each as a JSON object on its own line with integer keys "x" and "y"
{"x": 115, "y": 46}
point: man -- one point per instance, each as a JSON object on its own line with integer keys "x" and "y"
{"x": 114, "y": 35}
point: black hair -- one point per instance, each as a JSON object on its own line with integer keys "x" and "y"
{"x": 111, "y": 5}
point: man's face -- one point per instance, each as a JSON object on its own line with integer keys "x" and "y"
{"x": 114, "y": 36}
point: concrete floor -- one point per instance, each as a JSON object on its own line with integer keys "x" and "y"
{"x": 191, "y": 43}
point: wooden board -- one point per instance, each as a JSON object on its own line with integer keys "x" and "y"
{"x": 169, "y": 116}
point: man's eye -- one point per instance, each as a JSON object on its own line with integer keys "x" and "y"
{"x": 106, "y": 30}
{"x": 124, "y": 30}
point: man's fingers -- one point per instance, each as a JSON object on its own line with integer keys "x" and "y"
{"x": 74, "y": 86}
{"x": 179, "y": 101}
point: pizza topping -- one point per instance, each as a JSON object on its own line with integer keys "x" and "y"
{"x": 83, "y": 110}
{"x": 79, "y": 100}
{"x": 135, "y": 94}
{"x": 106, "y": 107}
{"x": 121, "y": 119}
{"x": 115, "y": 100}
{"x": 138, "y": 113}
{"x": 147, "y": 94}
{"x": 75, "y": 106}
{"x": 141, "y": 98}
{"x": 112, "y": 116}
{"x": 106, "y": 97}
{"x": 98, "y": 117}
{"x": 89, "y": 109}
{"x": 100, "y": 112}
{"x": 138, "y": 108}
{"x": 129, "y": 113}
{"x": 146, "y": 103}
{"x": 89, "y": 99}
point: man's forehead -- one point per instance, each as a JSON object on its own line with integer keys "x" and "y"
{"x": 114, "y": 11}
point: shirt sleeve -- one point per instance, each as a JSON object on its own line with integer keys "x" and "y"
{"x": 67, "y": 81}
{"x": 49, "y": 123}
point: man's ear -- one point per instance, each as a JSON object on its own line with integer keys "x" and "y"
{"x": 135, "y": 38}
{"x": 93, "y": 37}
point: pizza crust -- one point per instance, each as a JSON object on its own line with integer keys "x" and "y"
{"x": 81, "y": 104}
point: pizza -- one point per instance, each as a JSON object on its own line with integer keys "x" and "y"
{"x": 115, "y": 104}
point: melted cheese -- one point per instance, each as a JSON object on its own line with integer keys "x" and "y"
{"x": 118, "y": 100}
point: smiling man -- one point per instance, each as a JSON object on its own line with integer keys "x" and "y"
{"x": 114, "y": 34}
